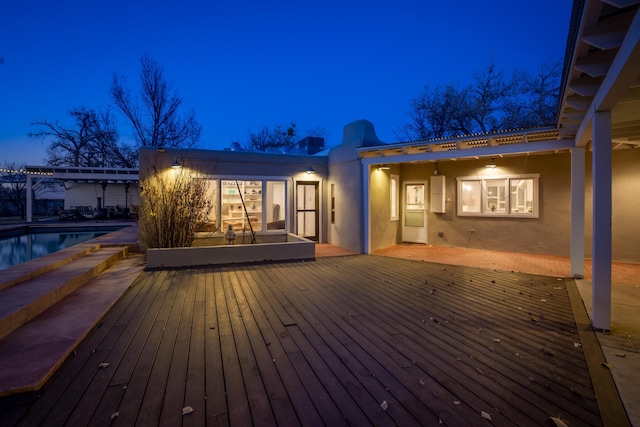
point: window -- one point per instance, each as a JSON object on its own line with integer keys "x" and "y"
{"x": 241, "y": 205}
{"x": 333, "y": 203}
{"x": 502, "y": 196}
{"x": 469, "y": 196}
{"x": 256, "y": 204}
{"x": 496, "y": 196}
{"x": 394, "y": 185}
{"x": 275, "y": 205}
{"x": 211, "y": 219}
{"x": 522, "y": 195}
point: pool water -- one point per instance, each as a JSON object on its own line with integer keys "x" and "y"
{"x": 18, "y": 249}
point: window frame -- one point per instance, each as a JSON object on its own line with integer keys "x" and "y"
{"x": 501, "y": 212}
{"x": 394, "y": 198}
{"x": 265, "y": 194}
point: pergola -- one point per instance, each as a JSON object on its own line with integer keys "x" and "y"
{"x": 76, "y": 174}
{"x": 599, "y": 111}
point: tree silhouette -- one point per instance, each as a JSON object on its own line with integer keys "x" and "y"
{"x": 155, "y": 118}
{"x": 494, "y": 101}
{"x": 92, "y": 141}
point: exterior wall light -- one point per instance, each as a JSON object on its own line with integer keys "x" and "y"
{"x": 176, "y": 164}
{"x": 491, "y": 164}
{"x": 310, "y": 170}
{"x": 383, "y": 167}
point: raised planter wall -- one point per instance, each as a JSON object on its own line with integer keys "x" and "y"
{"x": 295, "y": 248}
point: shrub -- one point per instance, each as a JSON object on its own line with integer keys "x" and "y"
{"x": 173, "y": 205}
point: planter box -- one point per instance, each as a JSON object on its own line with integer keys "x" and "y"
{"x": 294, "y": 248}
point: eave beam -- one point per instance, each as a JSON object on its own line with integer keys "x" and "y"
{"x": 622, "y": 74}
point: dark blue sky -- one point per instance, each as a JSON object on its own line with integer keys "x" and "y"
{"x": 243, "y": 65}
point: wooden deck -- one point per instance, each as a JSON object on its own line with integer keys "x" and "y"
{"x": 357, "y": 340}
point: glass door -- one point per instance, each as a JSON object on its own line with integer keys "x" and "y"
{"x": 414, "y": 221}
{"x": 307, "y": 210}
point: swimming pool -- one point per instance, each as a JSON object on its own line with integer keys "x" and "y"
{"x": 24, "y": 245}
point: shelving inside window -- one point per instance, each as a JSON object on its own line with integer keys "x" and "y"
{"x": 501, "y": 196}
{"x": 232, "y": 211}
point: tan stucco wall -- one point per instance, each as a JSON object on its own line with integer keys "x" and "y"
{"x": 235, "y": 163}
{"x": 625, "y": 201}
{"x": 384, "y": 231}
{"x": 345, "y": 172}
{"x": 246, "y": 165}
{"x": 548, "y": 234}
{"x": 346, "y": 232}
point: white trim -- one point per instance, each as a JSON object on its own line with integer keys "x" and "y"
{"x": 507, "y": 214}
{"x": 601, "y": 224}
{"x": 394, "y": 201}
{"x": 366, "y": 189}
{"x": 294, "y": 202}
{"x": 409, "y": 233}
{"x": 621, "y": 76}
{"x": 576, "y": 249}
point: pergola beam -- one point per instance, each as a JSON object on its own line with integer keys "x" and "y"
{"x": 621, "y": 76}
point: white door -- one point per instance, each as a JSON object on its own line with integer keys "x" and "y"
{"x": 414, "y": 212}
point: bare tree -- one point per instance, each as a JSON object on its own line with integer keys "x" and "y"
{"x": 267, "y": 138}
{"x": 155, "y": 118}
{"x": 173, "y": 205}
{"x": 109, "y": 149}
{"x": 482, "y": 101}
{"x": 494, "y": 101}
{"x": 536, "y": 97}
{"x": 432, "y": 114}
{"x": 92, "y": 141}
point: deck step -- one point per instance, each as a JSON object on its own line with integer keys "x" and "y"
{"x": 35, "y": 267}
{"x": 27, "y": 299}
{"x": 32, "y": 353}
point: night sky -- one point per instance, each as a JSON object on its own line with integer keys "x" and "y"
{"x": 244, "y": 65}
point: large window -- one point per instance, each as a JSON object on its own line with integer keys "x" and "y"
{"x": 241, "y": 206}
{"x": 503, "y": 196}
{"x": 276, "y": 205}
{"x": 253, "y": 204}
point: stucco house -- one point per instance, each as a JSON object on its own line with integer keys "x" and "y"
{"x": 566, "y": 190}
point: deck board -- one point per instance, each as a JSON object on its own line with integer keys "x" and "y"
{"x": 137, "y": 329}
{"x": 217, "y": 412}
{"x": 325, "y": 343}
{"x": 291, "y": 339}
{"x": 150, "y": 340}
{"x": 407, "y": 411}
{"x": 275, "y": 368}
{"x": 78, "y": 371}
{"x": 250, "y": 361}
{"x": 195, "y": 389}
{"x": 94, "y": 393}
